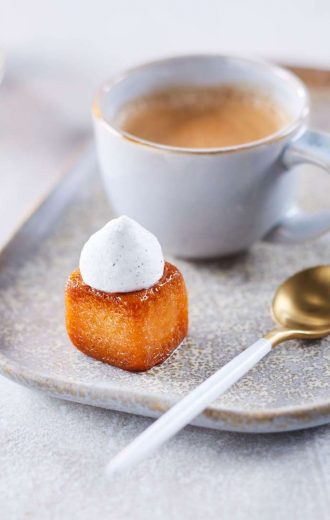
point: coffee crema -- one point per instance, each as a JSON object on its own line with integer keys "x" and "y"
{"x": 202, "y": 117}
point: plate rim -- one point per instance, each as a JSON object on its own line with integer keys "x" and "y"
{"x": 221, "y": 418}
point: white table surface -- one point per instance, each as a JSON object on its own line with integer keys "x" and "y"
{"x": 52, "y": 453}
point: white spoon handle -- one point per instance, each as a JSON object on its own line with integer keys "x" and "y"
{"x": 189, "y": 407}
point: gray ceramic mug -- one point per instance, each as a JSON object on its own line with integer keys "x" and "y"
{"x": 211, "y": 202}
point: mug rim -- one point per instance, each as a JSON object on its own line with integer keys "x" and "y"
{"x": 281, "y": 72}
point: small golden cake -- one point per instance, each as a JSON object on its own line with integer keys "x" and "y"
{"x": 131, "y": 330}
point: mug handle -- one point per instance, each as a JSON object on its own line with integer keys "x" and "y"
{"x": 296, "y": 226}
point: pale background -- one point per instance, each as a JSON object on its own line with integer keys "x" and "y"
{"x": 52, "y": 453}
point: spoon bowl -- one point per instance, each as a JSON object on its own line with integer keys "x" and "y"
{"x": 301, "y": 304}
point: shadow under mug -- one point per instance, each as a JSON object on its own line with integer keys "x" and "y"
{"x": 204, "y": 203}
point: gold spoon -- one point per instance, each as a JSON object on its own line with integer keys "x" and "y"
{"x": 301, "y": 308}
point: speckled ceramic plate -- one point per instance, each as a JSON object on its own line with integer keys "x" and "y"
{"x": 229, "y": 309}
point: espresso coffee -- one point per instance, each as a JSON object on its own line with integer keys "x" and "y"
{"x": 202, "y": 117}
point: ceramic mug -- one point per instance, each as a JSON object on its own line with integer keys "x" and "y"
{"x": 210, "y": 202}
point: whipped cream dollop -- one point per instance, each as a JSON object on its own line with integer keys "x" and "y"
{"x": 121, "y": 257}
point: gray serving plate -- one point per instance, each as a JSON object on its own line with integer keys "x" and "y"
{"x": 229, "y": 309}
